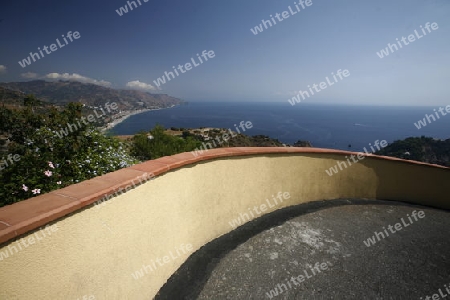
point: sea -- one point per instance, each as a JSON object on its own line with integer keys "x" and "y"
{"x": 345, "y": 127}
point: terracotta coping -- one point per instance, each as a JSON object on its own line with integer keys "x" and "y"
{"x": 22, "y": 217}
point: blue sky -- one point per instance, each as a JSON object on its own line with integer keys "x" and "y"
{"x": 273, "y": 65}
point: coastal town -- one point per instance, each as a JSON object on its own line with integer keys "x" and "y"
{"x": 122, "y": 115}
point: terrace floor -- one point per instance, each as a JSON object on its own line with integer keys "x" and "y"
{"x": 265, "y": 254}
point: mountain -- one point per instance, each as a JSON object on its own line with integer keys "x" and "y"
{"x": 63, "y": 92}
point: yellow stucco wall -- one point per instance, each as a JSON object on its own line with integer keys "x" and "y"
{"x": 94, "y": 251}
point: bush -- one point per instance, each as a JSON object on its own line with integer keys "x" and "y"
{"x": 49, "y": 160}
{"x": 160, "y": 144}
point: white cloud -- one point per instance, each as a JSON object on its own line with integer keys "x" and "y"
{"x": 77, "y": 77}
{"x": 2, "y": 69}
{"x": 140, "y": 85}
{"x": 29, "y": 75}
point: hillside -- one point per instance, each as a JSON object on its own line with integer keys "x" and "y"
{"x": 205, "y": 135}
{"x": 241, "y": 140}
{"x": 424, "y": 149}
{"x": 11, "y": 98}
{"x": 63, "y": 92}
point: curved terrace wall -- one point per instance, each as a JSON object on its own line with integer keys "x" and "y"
{"x": 93, "y": 250}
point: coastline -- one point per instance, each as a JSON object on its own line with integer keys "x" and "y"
{"x": 126, "y": 114}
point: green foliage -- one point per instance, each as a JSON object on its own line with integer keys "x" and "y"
{"x": 30, "y": 101}
{"x": 424, "y": 149}
{"x": 49, "y": 161}
{"x": 157, "y": 144}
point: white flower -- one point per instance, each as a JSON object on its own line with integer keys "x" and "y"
{"x": 36, "y": 191}
{"x": 24, "y": 187}
{"x": 48, "y": 173}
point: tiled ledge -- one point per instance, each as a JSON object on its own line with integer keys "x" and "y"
{"x": 33, "y": 213}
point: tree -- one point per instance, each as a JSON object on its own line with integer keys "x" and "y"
{"x": 30, "y": 101}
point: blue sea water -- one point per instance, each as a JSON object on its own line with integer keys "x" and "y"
{"x": 325, "y": 126}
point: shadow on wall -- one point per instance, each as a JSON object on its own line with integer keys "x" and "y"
{"x": 418, "y": 184}
{"x": 188, "y": 281}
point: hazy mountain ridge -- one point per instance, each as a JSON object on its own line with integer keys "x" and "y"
{"x": 63, "y": 92}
